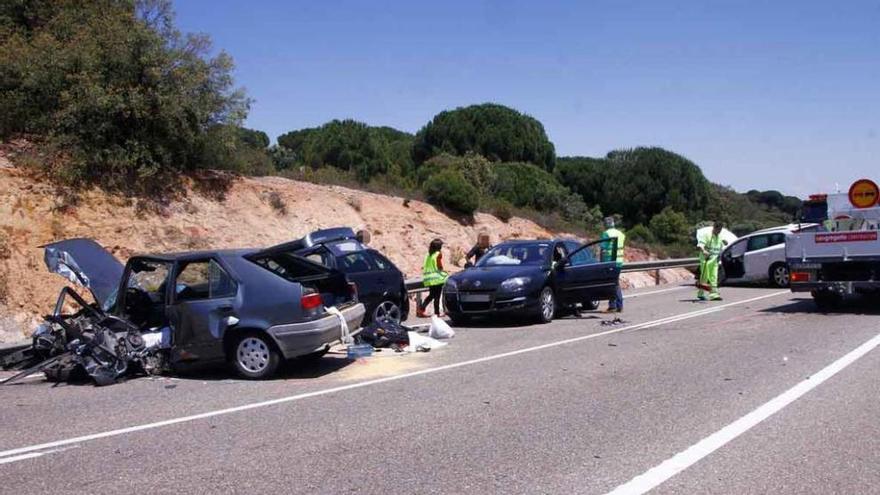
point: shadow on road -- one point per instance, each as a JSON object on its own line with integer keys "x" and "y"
{"x": 854, "y": 305}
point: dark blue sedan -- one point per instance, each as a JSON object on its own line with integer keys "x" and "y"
{"x": 536, "y": 279}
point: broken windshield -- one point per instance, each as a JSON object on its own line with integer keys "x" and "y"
{"x": 517, "y": 254}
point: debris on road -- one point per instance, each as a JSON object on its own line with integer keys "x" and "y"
{"x": 440, "y": 329}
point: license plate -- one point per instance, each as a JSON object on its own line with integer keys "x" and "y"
{"x": 476, "y": 298}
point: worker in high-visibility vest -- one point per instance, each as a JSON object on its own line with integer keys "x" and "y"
{"x": 607, "y": 252}
{"x": 433, "y": 277}
{"x": 710, "y": 247}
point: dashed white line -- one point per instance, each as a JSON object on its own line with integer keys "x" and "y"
{"x": 9, "y": 454}
{"x": 687, "y": 458}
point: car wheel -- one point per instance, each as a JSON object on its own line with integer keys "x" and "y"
{"x": 827, "y": 300}
{"x": 592, "y": 305}
{"x": 779, "y": 276}
{"x": 546, "y": 305}
{"x": 388, "y": 310}
{"x": 255, "y": 356}
{"x": 459, "y": 320}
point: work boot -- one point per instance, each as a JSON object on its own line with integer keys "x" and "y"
{"x": 715, "y": 296}
{"x": 702, "y": 297}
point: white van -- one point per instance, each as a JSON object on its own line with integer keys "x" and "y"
{"x": 760, "y": 256}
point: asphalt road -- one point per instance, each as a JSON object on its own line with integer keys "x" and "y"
{"x": 758, "y": 393}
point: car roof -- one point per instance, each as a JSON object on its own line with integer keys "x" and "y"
{"x": 782, "y": 228}
{"x": 192, "y": 255}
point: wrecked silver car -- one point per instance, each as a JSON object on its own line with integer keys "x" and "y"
{"x": 252, "y": 308}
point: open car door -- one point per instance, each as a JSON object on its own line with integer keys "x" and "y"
{"x": 582, "y": 276}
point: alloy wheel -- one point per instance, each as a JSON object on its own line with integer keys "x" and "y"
{"x": 253, "y": 354}
{"x": 781, "y": 276}
{"x": 548, "y": 304}
{"x": 387, "y": 310}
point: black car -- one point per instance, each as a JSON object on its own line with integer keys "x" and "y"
{"x": 381, "y": 285}
{"x": 534, "y": 278}
{"x": 249, "y": 307}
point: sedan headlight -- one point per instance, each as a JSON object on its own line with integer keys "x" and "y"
{"x": 515, "y": 284}
{"x": 451, "y": 285}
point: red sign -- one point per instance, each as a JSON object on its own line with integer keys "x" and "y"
{"x": 864, "y": 193}
{"x": 862, "y": 236}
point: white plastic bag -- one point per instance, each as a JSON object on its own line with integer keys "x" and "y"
{"x": 421, "y": 343}
{"x": 440, "y": 329}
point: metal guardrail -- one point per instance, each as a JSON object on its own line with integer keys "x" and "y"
{"x": 414, "y": 285}
{"x": 643, "y": 266}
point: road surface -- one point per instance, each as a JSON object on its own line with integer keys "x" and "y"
{"x": 758, "y": 393}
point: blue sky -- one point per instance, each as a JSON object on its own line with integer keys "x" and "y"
{"x": 770, "y": 95}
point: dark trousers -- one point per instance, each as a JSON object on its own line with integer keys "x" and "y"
{"x": 435, "y": 292}
{"x": 617, "y": 302}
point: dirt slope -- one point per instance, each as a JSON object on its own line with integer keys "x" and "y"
{"x": 32, "y": 214}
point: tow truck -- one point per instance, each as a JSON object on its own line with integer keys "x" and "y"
{"x": 843, "y": 257}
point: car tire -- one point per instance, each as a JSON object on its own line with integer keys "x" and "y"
{"x": 592, "y": 305}
{"x": 779, "y": 276}
{"x": 388, "y": 309}
{"x": 458, "y": 319}
{"x": 255, "y": 356}
{"x": 546, "y": 305}
{"x": 827, "y": 300}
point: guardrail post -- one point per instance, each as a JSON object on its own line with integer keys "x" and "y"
{"x": 657, "y": 277}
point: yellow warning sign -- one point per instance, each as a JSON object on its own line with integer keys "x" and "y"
{"x": 864, "y": 193}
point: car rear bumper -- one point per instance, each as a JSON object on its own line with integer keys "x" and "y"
{"x": 297, "y": 339}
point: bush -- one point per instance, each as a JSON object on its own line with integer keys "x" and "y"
{"x": 474, "y": 168}
{"x": 449, "y": 189}
{"x": 670, "y": 226}
{"x": 499, "y": 133}
{"x": 640, "y": 234}
{"x": 527, "y": 186}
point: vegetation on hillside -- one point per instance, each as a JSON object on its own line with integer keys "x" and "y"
{"x": 119, "y": 96}
{"x": 115, "y": 95}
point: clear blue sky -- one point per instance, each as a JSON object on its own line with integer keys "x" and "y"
{"x": 771, "y": 95}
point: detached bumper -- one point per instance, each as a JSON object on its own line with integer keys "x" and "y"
{"x": 297, "y": 339}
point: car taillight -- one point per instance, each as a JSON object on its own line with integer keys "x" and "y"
{"x": 353, "y": 290}
{"x": 311, "y": 302}
{"x": 800, "y": 276}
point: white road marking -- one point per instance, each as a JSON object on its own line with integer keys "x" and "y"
{"x": 661, "y": 291}
{"x": 31, "y": 455}
{"x": 246, "y": 407}
{"x": 687, "y": 458}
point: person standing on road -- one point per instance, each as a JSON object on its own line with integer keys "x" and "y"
{"x": 433, "y": 277}
{"x": 710, "y": 247}
{"x": 478, "y": 250}
{"x": 608, "y": 254}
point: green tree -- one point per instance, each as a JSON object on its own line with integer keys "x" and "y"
{"x": 638, "y": 183}
{"x": 449, "y": 189}
{"x": 496, "y": 132}
{"x": 352, "y": 146}
{"x": 111, "y": 85}
{"x": 670, "y": 226}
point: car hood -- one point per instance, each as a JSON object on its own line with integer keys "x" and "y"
{"x": 85, "y": 262}
{"x": 488, "y": 278}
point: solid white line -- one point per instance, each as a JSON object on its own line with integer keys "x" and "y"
{"x": 683, "y": 460}
{"x": 661, "y": 291}
{"x": 31, "y": 455}
{"x": 333, "y": 390}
